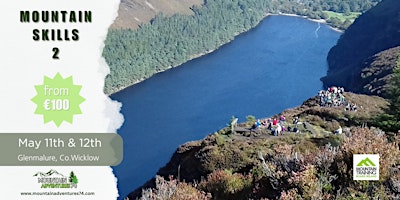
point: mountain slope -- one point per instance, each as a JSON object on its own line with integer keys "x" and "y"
{"x": 237, "y": 165}
{"x": 377, "y": 71}
{"x": 132, "y": 13}
{"x": 374, "y": 31}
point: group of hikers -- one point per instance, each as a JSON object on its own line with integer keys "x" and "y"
{"x": 333, "y": 96}
{"x": 351, "y": 107}
{"x": 276, "y": 126}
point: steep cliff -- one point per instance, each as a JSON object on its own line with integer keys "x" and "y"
{"x": 374, "y": 31}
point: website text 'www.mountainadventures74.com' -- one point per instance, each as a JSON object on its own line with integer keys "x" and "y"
{"x": 52, "y": 193}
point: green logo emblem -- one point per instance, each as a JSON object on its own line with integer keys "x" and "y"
{"x": 366, "y": 167}
{"x": 366, "y": 163}
{"x": 58, "y": 99}
{"x": 73, "y": 178}
{"x": 54, "y": 179}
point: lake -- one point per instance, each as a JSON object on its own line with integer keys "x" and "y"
{"x": 275, "y": 66}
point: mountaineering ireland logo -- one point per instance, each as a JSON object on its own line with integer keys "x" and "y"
{"x": 54, "y": 179}
{"x": 366, "y": 167}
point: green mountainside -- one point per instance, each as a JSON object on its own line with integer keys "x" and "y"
{"x": 167, "y": 41}
{"x": 363, "y": 43}
{"x": 312, "y": 164}
{"x": 377, "y": 71}
{"x": 132, "y": 13}
{"x": 151, "y": 36}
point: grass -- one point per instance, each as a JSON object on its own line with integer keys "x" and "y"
{"x": 352, "y": 16}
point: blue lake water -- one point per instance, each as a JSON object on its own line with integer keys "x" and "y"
{"x": 275, "y": 66}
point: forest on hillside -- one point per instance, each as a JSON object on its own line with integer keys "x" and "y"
{"x": 135, "y": 55}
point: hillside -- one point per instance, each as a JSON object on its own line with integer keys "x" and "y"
{"x": 168, "y": 41}
{"x": 315, "y": 164}
{"x": 234, "y": 165}
{"x": 374, "y": 31}
{"x": 377, "y": 71}
{"x": 132, "y": 13}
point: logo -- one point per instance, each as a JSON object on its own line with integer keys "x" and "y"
{"x": 366, "y": 167}
{"x": 54, "y": 179}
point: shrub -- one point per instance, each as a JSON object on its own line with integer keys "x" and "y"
{"x": 251, "y": 120}
{"x": 291, "y": 194}
{"x": 305, "y": 147}
{"x": 307, "y": 182}
{"x": 223, "y": 184}
{"x": 230, "y": 155}
{"x": 331, "y": 126}
{"x": 387, "y": 122}
{"x": 365, "y": 141}
{"x": 172, "y": 190}
{"x": 315, "y": 119}
{"x": 220, "y": 139}
{"x": 186, "y": 191}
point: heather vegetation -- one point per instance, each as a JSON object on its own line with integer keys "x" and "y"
{"x": 292, "y": 167}
{"x": 167, "y": 41}
{"x": 314, "y": 163}
{"x": 173, "y": 190}
{"x": 304, "y": 165}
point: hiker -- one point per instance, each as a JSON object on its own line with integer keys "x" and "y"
{"x": 339, "y": 130}
{"x": 348, "y": 106}
{"x": 275, "y": 121}
{"x": 341, "y": 90}
{"x": 353, "y": 107}
{"x": 282, "y": 119}
{"x": 296, "y": 120}
{"x": 258, "y": 123}
{"x": 321, "y": 95}
{"x": 278, "y": 130}
{"x": 341, "y": 99}
{"x": 253, "y": 127}
{"x": 329, "y": 100}
{"x": 264, "y": 123}
{"x": 335, "y": 90}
